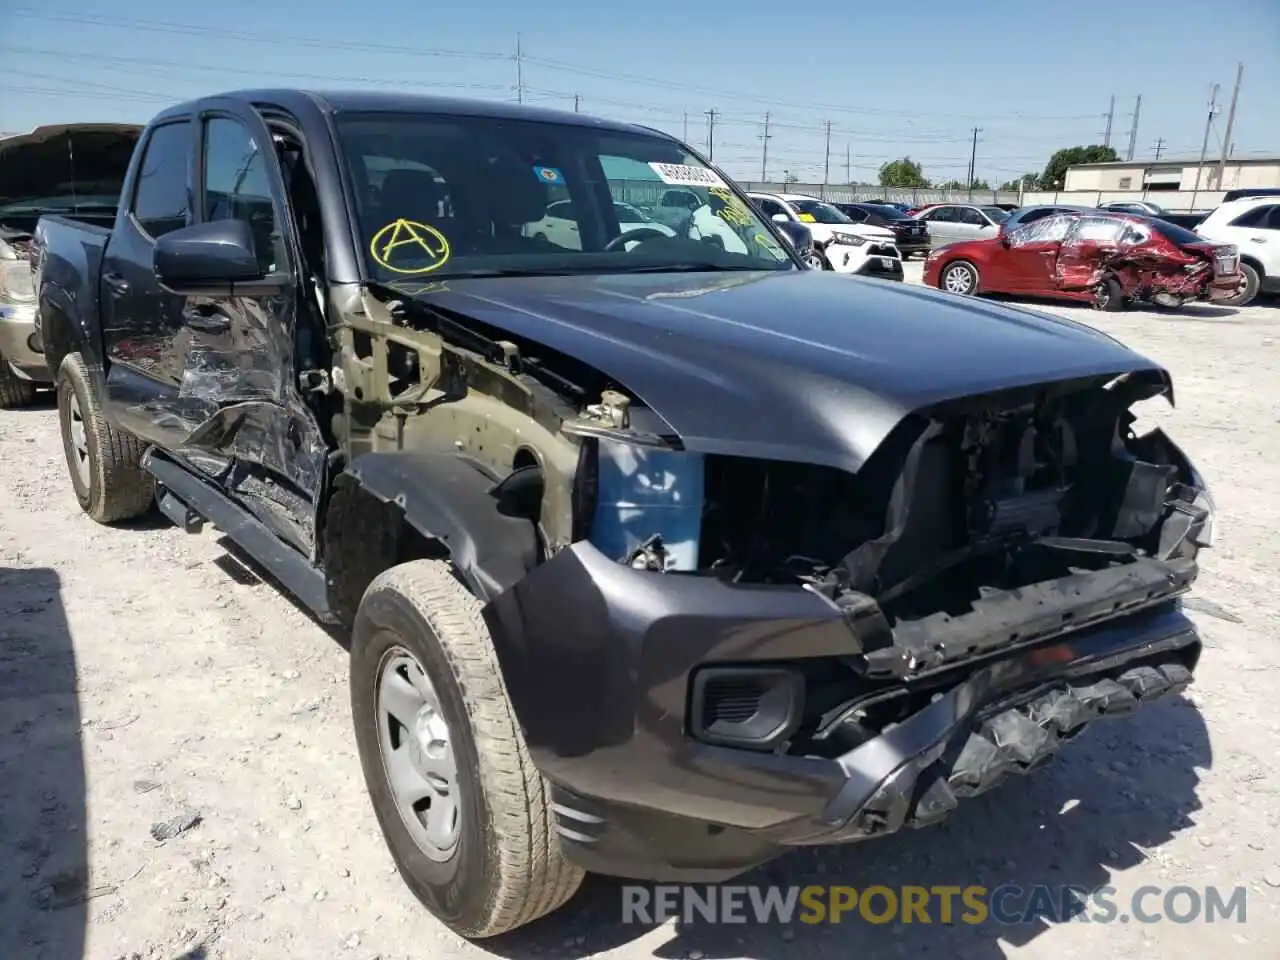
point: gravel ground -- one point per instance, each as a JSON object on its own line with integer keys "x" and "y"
{"x": 148, "y": 679}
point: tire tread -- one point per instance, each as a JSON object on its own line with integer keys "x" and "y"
{"x": 125, "y": 490}
{"x": 533, "y": 876}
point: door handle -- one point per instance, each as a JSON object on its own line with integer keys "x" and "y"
{"x": 1258, "y": 239}
{"x": 206, "y": 320}
{"x": 116, "y": 283}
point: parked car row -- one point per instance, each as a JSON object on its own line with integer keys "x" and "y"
{"x": 845, "y": 246}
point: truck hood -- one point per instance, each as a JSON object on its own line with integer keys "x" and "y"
{"x": 806, "y": 366}
{"x": 58, "y": 167}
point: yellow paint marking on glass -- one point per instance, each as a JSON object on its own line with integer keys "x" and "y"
{"x": 734, "y": 210}
{"x": 424, "y": 238}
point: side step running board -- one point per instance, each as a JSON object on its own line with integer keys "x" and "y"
{"x": 189, "y": 501}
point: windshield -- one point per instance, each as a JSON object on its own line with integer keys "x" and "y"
{"x": 815, "y": 211}
{"x": 996, "y": 214}
{"x": 886, "y": 212}
{"x": 447, "y": 196}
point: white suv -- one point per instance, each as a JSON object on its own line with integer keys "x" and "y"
{"x": 846, "y": 246}
{"x": 1253, "y": 225}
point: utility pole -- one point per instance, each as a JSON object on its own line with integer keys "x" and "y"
{"x": 576, "y": 99}
{"x": 826, "y": 163}
{"x": 1133, "y": 130}
{"x": 764, "y": 152}
{"x": 711, "y": 133}
{"x": 1204, "y": 147}
{"x": 1231, "y": 119}
{"x": 848, "y": 169}
{"x": 1111, "y": 113}
{"x": 1159, "y": 147}
{"x": 973, "y": 160}
{"x": 519, "y": 72}
{"x": 685, "y": 138}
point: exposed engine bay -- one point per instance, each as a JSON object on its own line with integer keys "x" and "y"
{"x": 975, "y": 526}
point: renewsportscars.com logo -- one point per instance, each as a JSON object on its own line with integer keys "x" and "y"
{"x": 1008, "y": 904}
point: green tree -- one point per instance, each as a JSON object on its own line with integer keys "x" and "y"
{"x": 1028, "y": 181}
{"x": 1055, "y": 171}
{"x": 789, "y": 177}
{"x": 959, "y": 185}
{"x": 902, "y": 173}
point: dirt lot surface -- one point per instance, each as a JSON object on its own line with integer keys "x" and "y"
{"x": 146, "y": 677}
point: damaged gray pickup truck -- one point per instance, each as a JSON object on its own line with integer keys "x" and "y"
{"x": 661, "y": 553}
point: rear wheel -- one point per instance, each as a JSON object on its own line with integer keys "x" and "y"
{"x": 1248, "y": 289}
{"x": 14, "y": 391}
{"x": 105, "y": 464}
{"x": 466, "y": 815}
{"x": 959, "y": 277}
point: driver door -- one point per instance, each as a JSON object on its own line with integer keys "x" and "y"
{"x": 256, "y": 436}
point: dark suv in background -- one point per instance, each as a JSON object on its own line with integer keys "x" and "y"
{"x": 910, "y": 235}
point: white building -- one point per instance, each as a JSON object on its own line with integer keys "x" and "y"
{"x": 1151, "y": 176}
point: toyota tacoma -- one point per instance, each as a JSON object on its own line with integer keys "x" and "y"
{"x": 660, "y": 554}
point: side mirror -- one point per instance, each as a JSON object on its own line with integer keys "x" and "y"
{"x": 207, "y": 259}
{"x": 780, "y": 218}
{"x": 1004, "y": 239}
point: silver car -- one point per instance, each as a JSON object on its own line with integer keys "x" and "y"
{"x": 951, "y": 222}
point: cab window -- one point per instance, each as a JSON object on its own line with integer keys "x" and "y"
{"x": 237, "y": 186}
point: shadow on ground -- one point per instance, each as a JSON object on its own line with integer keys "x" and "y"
{"x": 44, "y": 874}
{"x": 1126, "y": 787}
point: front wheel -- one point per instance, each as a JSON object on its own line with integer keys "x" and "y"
{"x": 959, "y": 277}
{"x": 814, "y": 260}
{"x": 466, "y": 815}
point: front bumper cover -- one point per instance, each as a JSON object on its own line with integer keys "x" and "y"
{"x": 20, "y": 343}
{"x": 602, "y": 698}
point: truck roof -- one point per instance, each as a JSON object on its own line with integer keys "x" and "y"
{"x": 363, "y": 101}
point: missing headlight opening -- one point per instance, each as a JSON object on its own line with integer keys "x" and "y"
{"x": 975, "y": 526}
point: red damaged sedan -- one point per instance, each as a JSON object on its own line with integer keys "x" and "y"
{"x": 1107, "y": 260}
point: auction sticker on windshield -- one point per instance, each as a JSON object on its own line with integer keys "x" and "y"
{"x": 409, "y": 247}
{"x": 683, "y": 175}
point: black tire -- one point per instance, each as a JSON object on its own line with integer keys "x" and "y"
{"x": 113, "y": 485}
{"x": 14, "y": 391}
{"x": 507, "y": 868}
{"x": 1108, "y": 296}
{"x": 1248, "y": 288}
{"x": 958, "y": 269}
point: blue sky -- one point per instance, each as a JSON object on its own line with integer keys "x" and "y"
{"x": 892, "y": 79}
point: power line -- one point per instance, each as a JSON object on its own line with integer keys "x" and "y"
{"x": 164, "y": 65}
{"x": 1158, "y": 147}
{"x": 199, "y": 30}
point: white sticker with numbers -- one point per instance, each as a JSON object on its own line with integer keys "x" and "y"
{"x": 681, "y": 175}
